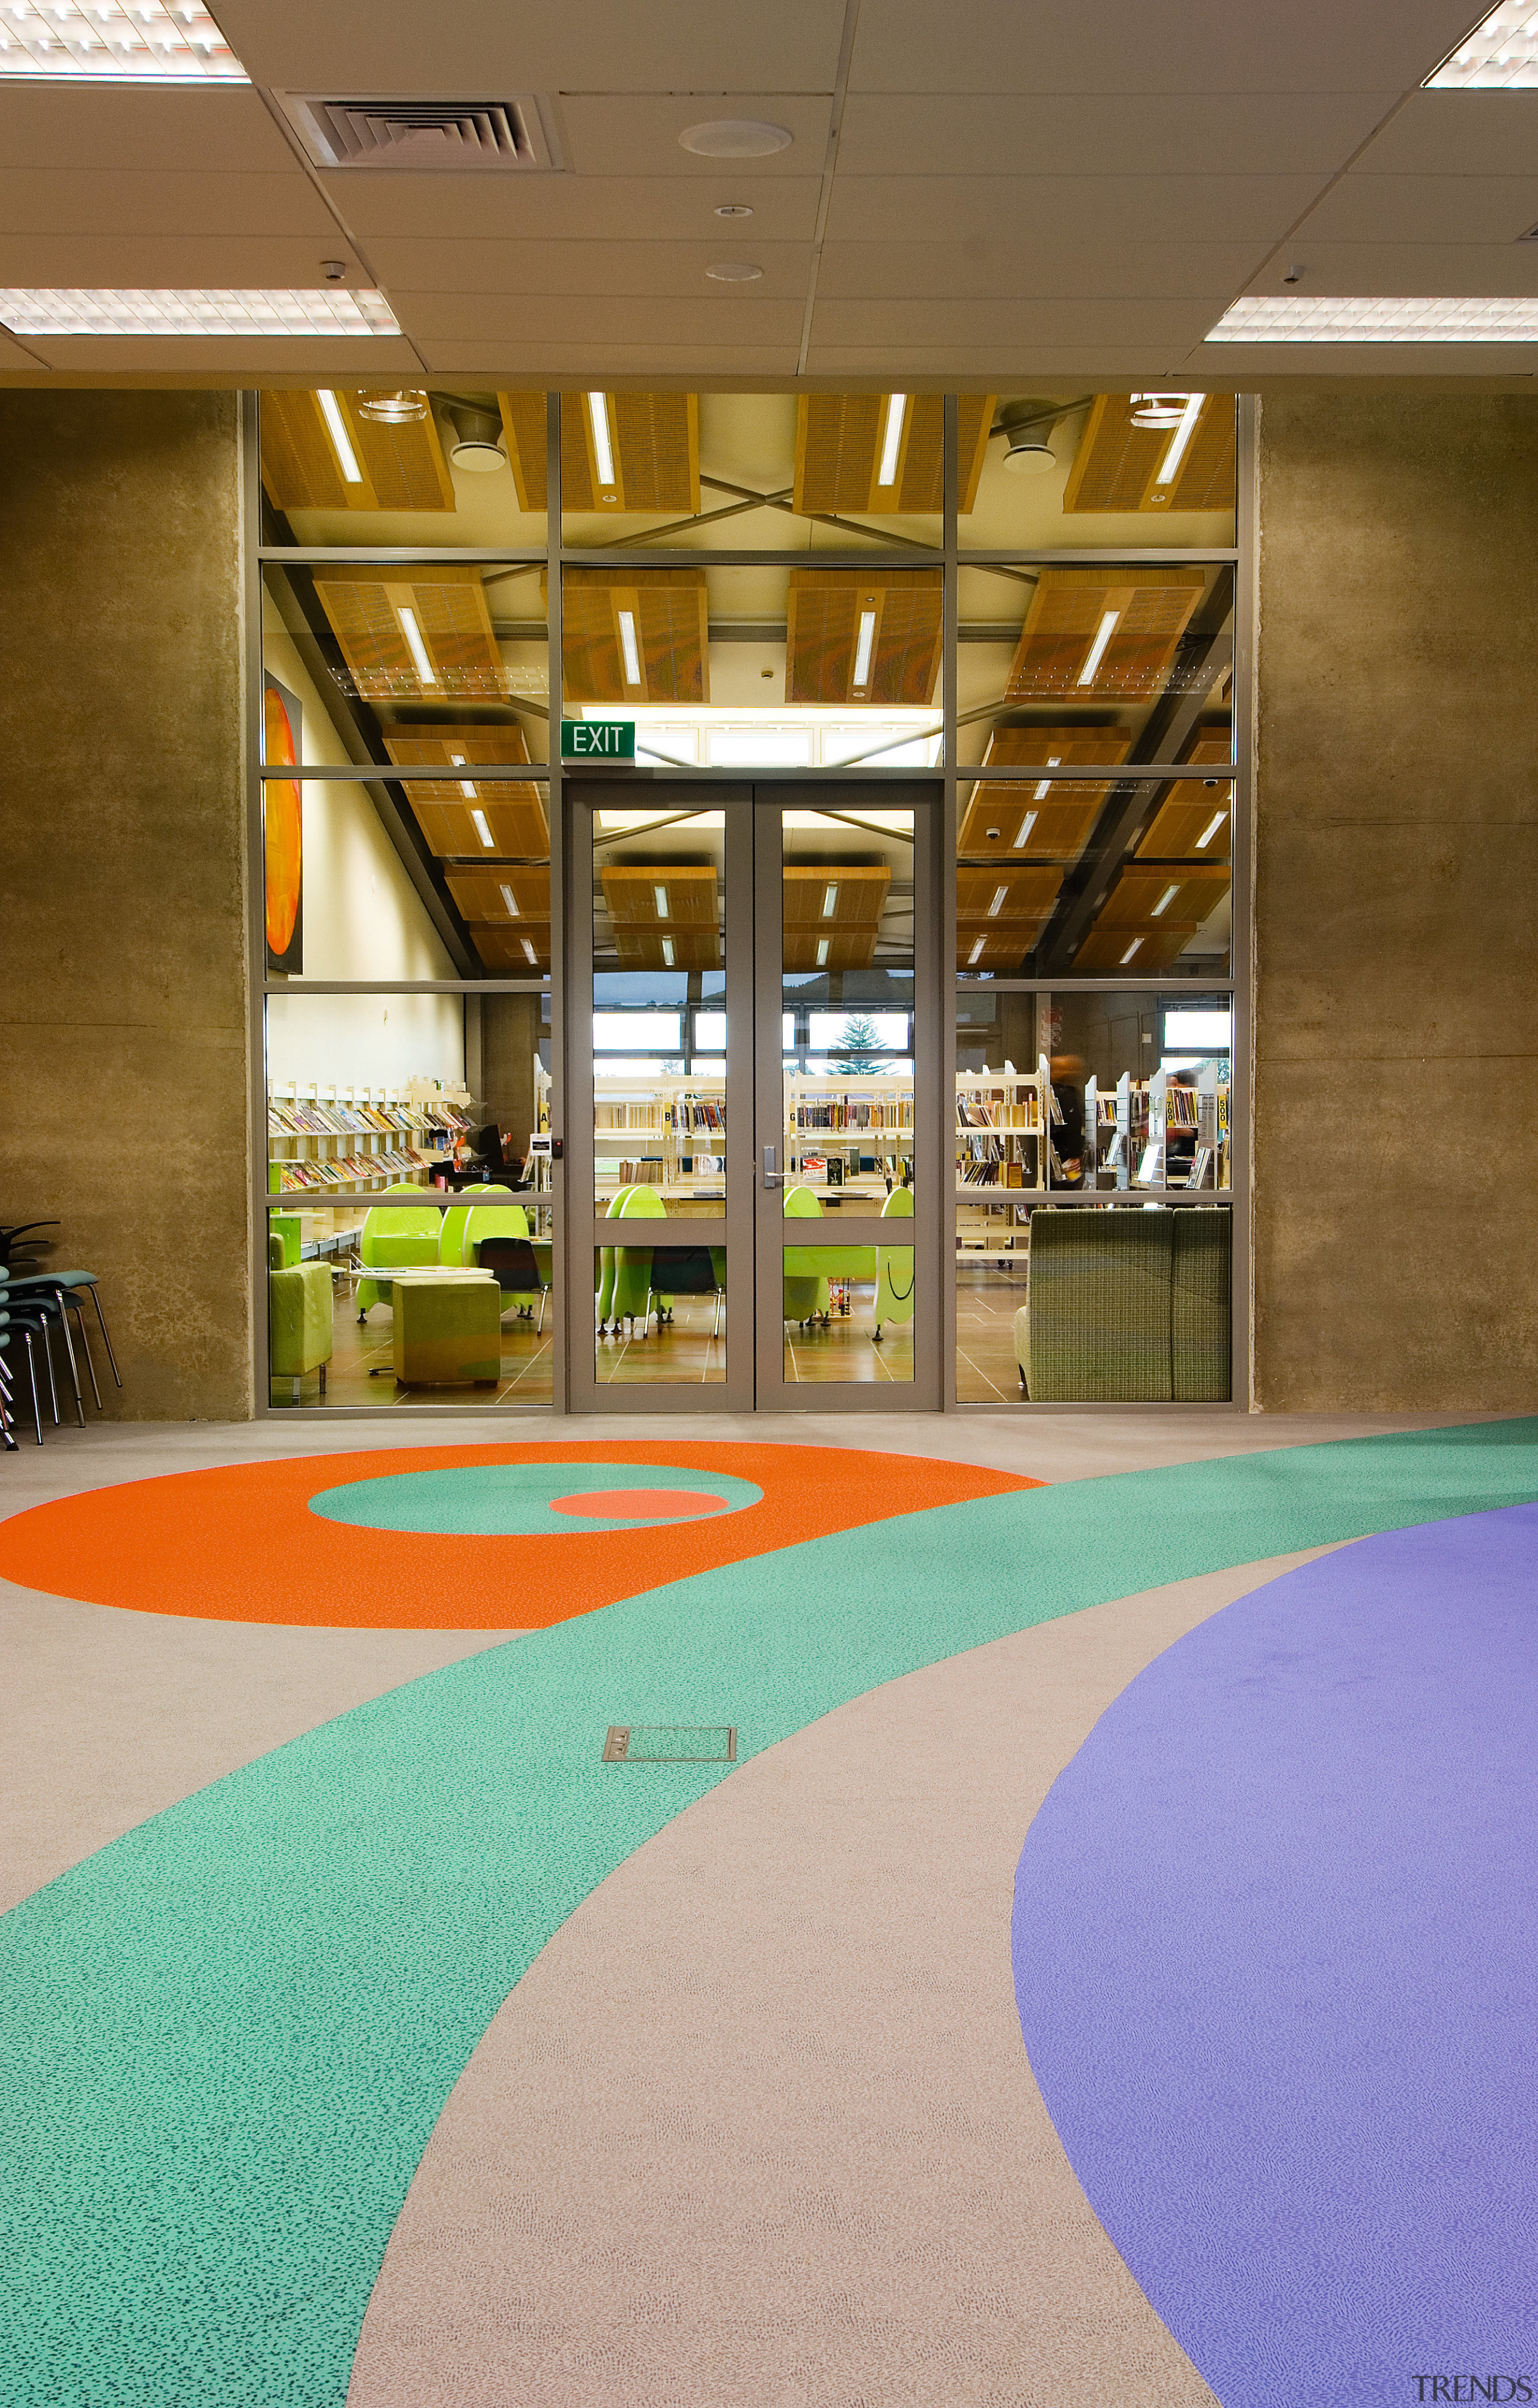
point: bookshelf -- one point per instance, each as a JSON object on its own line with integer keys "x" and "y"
{"x": 1001, "y": 1119}
{"x": 849, "y": 1133}
{"x": 323, "y": 1136}
{"x": 665, "y": 1130}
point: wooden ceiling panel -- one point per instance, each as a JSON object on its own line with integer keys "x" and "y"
{"x": 515, "y": 819}
{"x": 834, "y": 895}
{"x": 402, "y": 466}
{"x": 1151, "y": 915}
{"x": 836, "y": 949}
{"x": 826, "y": 612}
{"x": 667, "y": 895}
{"x": 841, "y": 438}
{"x": 668, "y": 949}
{"x": 1148, "y": 610}
{"x": 984, "y": 897}
{"x": 1037, "y": 820}
{"x": 509, "y": 945}
{"x": 654, "y": 447}
{"x": 372, "y": 615}
{"x": 507, "y": 894}
{"x": 669, "y": 627}
{"x": 1117, "y": 463}
{"x": 1113, "y": 949}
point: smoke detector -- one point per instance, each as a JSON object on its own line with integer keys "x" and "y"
{"x": 425, "y": 136}
{"x": 476, "y": 446}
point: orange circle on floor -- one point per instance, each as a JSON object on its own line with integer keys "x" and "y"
{"x": 641, "y": 1504}
{"x": 240, "y": 1544}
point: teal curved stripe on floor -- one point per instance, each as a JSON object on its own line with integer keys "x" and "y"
{"x": 226, "y": 2037}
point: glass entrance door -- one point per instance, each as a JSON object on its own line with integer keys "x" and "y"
{"x": 754, "y": 1046}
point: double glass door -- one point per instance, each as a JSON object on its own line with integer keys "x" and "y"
{"x": 753, "y": 1050}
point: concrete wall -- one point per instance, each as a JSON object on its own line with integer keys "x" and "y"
{"x": 123, "y": 969}
{"x": 1397, "y": 1012}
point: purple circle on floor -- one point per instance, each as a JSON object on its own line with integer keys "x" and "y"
{"x": 1276, "y": 1943}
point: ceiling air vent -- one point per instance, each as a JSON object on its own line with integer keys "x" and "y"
{"x": 434, "y": 136}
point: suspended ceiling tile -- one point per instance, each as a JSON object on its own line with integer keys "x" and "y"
{"x": 115, "y": 128}
{"x": 1098, "y": 209}
{"x": 403, "y": 467}
{"x": 840, "y": 949}
{"x": 833, "y": 895}
{"x": 1193, "y": 810}
{"x": 1001, "y": 365}
{"x": 518, "y": 46}
{"x": 1296, "y": 46}
{"x": 1153, "y": 948}
{"x": 598, "y": 322}
{"x": 506, "y": 894}
{"x": 1118, "y": 465}
{"x": 663, "y": 895}
{"x": 138, "y": 262}
{"x": 667, "y": 640}
{"x": 1038, "y": 818}
{"x": 1164, "y": 898}
{"x": 653, "y": 444}
{"x": 668, "y": 949}
{"x": 169, "y": 202}
{"x": 245, "y": 361}
{"x": 1422, "y": 209}
{"x": 413, "y": 634}
{"x": 1006, "y": 894}
{"x": 1456, "y": 133}
{"x": 577, "y": 270}
{"x": 1008, "y": 267}
{"x": 520, "y": 949}
{"x": 841, "y": 447}
{"x": 615, "y": 132}
{"x": 862, "y": 637}
{"x": 1173, "y": 324}
{"x": 534, "y": 363}
{"x": 1094, "y": 634}
{"x": 586, "y": 208}
{"x": 1123, "y": 133}
{"x": 1392, "y": 270}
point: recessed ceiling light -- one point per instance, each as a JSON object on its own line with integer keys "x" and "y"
{"x": 736, "y": 137}
{"x": 511, "y": 899}
{"x": 1135, "y": 947}
{"x": 897, "y": 404}
{"x": 529, "y": 955}
{"x": 1026, "y": 825}
{"x": 733, "y": 209}
{"x": 822, "y": 952}
{"x": 483, "y": 831}
{"x": 627, "y": 645}
{"x": 1276, "y": 317}
{"x": 1210, "y": 831}
{"x": 864, "y": 644}
{"x": 1097, "y": 650}
{"x": 417, "y": 650}
{"x": 114, "y": 41}
{"x": 1501, "y": 53}
{"x": 1000, "y": 896}
{"x": 733, "y": 271}
{"x": 317, "y": 309}
{"x": 1165, "y": 901}
{"x": 341, "y": 442}
{"x": 977, "y": 952}
{"x": 1175, "y": 449}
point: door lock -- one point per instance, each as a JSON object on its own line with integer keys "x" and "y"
{"x": 771, "y": 1178}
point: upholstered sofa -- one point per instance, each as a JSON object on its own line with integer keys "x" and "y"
{"x": 1128, "y": 1307}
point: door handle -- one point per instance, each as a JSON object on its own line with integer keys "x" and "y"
{"x": 771, "y": 1178}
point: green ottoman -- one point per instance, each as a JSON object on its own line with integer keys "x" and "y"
{"x": 299, "y": 1325}
{"x": 448, "y": 1327}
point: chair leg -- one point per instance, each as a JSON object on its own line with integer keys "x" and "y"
{"x": 543, "y": 1294}
{"x": 85, "y": 1349}
{"x": 32, "y": 1375}
{"x": 69, "y": 1354}
{"x": 96, "y": 1300}
{"x": 45, "y": 1333}
{"x": 322, "y": 1379}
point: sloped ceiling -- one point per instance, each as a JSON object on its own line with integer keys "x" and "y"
{"x": 978, "y": 193}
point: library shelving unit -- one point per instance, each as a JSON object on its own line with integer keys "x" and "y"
{"x": 662, "y": 1129}
{"x": 850, "y": 1132}
{"x": 326, "y": 1136}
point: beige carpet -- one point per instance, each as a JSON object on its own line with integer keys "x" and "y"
{"x": 758, "y": 2126}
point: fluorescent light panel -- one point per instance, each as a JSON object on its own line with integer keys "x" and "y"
{"x": 977, "y": 952}
{"x": 1026, "y": 825}
{"x": 1000, "y": 896}
{"x": 483, "y": 831}
{"x": 341, "y": 441}
{"x": 114, "y": 41}
{"x": 1292, "y": 318}
{"x": 667, "y": 951}
{"x": 897, "y": 404}
{"x": 1169, "y": 466}
{"x": 1097, "y": 650}
{"x": 1501, "y": 53}
{"x": 627, "y": 645}
{"x": 1135, "y": 947}
{"x": 659, "y": 895}
{"x": 1165, "y": 901}
{"x": 417, "y": 650}
{"x": 603, "y": 450}
{"x": 1054, "y": 761}
{"x": 310, "y": 309}
{"x": 1210, "y": 830}
{"x": 863, "y": 648}
{"x": 829, "y": 901}
{"x": 822, "y": 952}
{"x": 529, "y": 954}
{"x": 467, "y": 787}
{"x": 511, "y": 900}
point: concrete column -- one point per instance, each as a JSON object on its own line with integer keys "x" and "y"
{"x": 123, "y": 968}
{"x": 1396, "y": 1141}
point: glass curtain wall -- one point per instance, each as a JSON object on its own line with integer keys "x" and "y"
{"x": 1038, "y": 597}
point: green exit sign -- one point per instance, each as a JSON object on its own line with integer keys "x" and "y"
{"x": 598, "y": 739}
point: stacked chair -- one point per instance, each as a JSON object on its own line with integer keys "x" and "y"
{"x": 32, "y": 1305}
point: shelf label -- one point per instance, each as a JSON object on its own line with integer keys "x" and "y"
{"x": 598, "y": 739}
